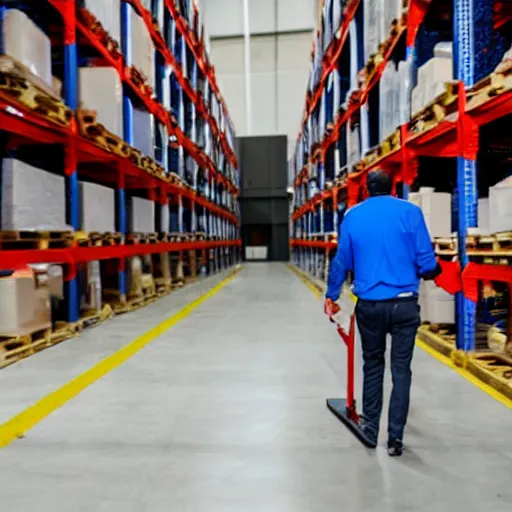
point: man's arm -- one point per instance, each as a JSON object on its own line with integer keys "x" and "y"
{"x": 340, "y": 264}
{"x": 426, "y": 261}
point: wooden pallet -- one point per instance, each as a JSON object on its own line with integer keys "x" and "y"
{"x": 142, "y": 238}
{"x": 440, "y": 338}
{"x": 17, "y": 240}
{"x": 16, "y": 348}
{"x": 95, "y": 239}
{"x": 498, "y": 244}
{"x": 493, "y": 369}
{"x": 91, "y": 129}
{"x": 30, "y": 96}
{"x": 436, "y": 111}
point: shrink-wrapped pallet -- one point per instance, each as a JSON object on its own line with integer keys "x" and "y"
{"x": 500, "y": 206}
{"x": 27, "y": 44}
{"x": 101, "y": 90}
{"x": 165, "y": 218}
{"x": 143, "y": 215}
{"x": 354, "y": 65}
{"x": 328, "y": 28}
{"x": 98, "y": 208}
{"x": 141, "y": 48}
{"x": 32, "y": 198}
{"x": 143, "y": 132}
{"x": 108, "y": 13}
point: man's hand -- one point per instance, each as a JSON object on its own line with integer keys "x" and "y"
{"x": 331, "y": 308}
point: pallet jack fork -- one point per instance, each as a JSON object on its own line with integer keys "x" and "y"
{"x": 345, "y": 408}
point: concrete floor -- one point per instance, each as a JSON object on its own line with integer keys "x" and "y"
{"x": 226, "y": 412}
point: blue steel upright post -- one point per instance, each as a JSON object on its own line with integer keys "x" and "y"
{"x": 464, "y": 70}
{"x": 122, "y": 226}
{"x": 72, "y": 192}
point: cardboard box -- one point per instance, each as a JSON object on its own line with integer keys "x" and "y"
{"x": 500, "y": 206}
{"x": 98, "y": 208}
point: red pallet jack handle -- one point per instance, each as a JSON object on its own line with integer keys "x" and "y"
{"x": 349, "y": 340}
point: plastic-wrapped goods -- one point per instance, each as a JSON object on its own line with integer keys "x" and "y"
{"x": 100, "y": 89}
{"x": 108, "y": 13}
{"x": 372, "y": 36}
{"x": 141, "y": 49}
{"x": 98, "y": 208}
{"x": 500, "y": 206}
{"x": 336, "y": 92}
{"x": 365, "y": 129}
{"x": 32, "y": 198}
{"x": 143, "y": 132}
{"x": 328, "y": 30}
{"x": 27, "y": 44}
{"x": 354, "y": 151}
{"x": 404, "y": 99}
{"x": 354, "y": 65}
{"x": 437, "y": 210}
{"x": 164, "y": 218}
{"x": 143, "y": 215}
{"x": 388, "y": 107}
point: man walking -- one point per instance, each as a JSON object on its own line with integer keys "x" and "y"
{"x": 385, "y": 242}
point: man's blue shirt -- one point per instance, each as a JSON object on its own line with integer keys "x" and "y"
{"x": 385, "y": 242}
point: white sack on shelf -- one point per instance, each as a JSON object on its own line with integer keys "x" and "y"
{"x": 100, "y": 89}
{"x": 108, "y": 13}
{"x": 26, "y": 43}
{"x": 165, "y": 218}
{"x": 404, "y": 100}
{"x": 354, "y": 65}
{"x": 483, "y": 216}
{"x": 143, "y": 213}
{"x": 372, "y": 36}
{"x": 437, "y": 209}
{"x": 141, "y": 50}
{"x": 437, "y": 306}
{"x": 500, "y": 206}
{"x": 32, "y": 198}
{"x": 98, "y": 208}
{"x": 143, "y": 132}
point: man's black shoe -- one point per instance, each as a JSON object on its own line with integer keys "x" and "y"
{"x": 395, "y": 448}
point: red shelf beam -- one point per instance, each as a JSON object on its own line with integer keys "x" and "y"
{"x": 314, "y": 244}
{"x": 73, "y": 255}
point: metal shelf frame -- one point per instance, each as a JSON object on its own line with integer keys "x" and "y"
{"x": 25, "y": 128}
{"x": 455, "y": 137}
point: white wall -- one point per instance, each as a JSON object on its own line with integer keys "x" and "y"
{"x": 280, "y": 60}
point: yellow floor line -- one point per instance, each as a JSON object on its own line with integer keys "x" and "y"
{"x": 507, "y": 402}
{"x": 26, "y": 420}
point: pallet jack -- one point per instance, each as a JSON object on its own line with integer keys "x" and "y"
{"x": 345, "y": 408}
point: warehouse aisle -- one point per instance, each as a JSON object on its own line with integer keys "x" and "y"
{"x": 226, "y": 412}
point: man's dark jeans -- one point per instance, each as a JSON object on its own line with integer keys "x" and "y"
{"x": 400, "y": 318}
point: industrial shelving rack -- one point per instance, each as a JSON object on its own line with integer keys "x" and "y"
{"x": 477, "y": 99}
{"x": 203, "y": 201}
